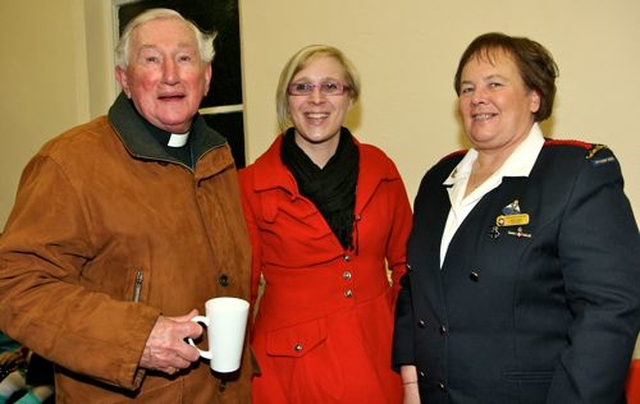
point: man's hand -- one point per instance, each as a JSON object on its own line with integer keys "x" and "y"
{"x": 166, "y": 349}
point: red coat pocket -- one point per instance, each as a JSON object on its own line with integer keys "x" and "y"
{"x": 298, "y": 340}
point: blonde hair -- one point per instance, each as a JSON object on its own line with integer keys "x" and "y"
{"x": 298, "y": 62}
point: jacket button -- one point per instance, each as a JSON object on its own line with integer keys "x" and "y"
{"x": 442, "y": 386}
{"x": 346, "y": 258}
{"x": 223, "y": 280}
{"x": 346, "y": 275}
{"x": 474, "y": 276}
{"x": 348, "y": 293}
{"x": 443, "y": 329}
{"x": 297, "y": 347}
{"x": 422, "y": 374}
{"x": 422, "y": 323}
{"x": 409, "y": 267}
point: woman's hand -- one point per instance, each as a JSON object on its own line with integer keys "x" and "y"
{"x": 411, "y": 394}
{"x": 410, "y": 383}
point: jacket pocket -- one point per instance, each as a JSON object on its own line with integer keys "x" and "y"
{"x": 528, "y": 376}
{"x": 307, "y": 364}
{"x": 298, "y": 340}
{"x": 528, "y": 387}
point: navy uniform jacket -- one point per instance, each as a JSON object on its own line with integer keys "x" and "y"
{"x": 546, "y": 312}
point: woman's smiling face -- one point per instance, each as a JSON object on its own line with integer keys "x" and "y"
{"x": 317, "y": 117}
{"x": 495, "y": 105}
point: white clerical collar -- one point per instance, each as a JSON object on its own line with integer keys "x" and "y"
{"x": 178, "y": 140}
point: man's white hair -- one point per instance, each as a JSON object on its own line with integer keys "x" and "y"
{"x": 204, "y": 40}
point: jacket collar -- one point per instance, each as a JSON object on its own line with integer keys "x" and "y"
{"x": 135, "y": 132}
{"x": 271, "y": 173}
{"x": 278, "y": 175}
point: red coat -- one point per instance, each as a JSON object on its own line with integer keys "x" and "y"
{"x": 325, "y": 321}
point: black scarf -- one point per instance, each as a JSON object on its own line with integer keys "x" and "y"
{"x": 332, "y": 188}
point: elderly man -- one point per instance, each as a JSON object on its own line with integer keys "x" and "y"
{"x": 123, "y": 227}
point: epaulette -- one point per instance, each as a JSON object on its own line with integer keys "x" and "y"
{"x": 591, "y": 148}
{"x": 568, "y": 142}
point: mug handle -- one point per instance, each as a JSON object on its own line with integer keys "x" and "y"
{"x": 204, "y": 320}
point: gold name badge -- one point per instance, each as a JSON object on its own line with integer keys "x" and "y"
{"x": 518, "y": 219}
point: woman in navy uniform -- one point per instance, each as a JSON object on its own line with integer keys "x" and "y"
{"x": 524, "y": 258}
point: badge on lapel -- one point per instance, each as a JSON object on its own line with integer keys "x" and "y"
{"x": 512, "y": 216}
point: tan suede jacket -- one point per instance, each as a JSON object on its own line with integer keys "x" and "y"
{"x": 96, "y": 207}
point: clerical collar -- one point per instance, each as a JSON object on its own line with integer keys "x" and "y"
{"x": 178, "y": 140}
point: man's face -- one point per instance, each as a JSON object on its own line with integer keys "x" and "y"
{"x": 165, "y": 77}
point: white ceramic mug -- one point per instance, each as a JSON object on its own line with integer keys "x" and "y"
{"x": 226, "y": 321}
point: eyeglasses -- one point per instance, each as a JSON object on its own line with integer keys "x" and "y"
{"x": 326, "y": 88}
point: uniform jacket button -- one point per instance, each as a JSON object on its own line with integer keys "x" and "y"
{"x": 348, "y": 293}
{"x": 474, "y": 276}
{"x": 422, "y": 323}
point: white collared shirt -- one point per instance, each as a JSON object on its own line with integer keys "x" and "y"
{"x": 519, "y": 164}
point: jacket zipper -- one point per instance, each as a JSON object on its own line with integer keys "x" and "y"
{"x": 137, "y": 285}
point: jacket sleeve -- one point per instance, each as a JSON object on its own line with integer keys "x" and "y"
{"x": 403, "y": 350}
{"x": 400, "y": 229}
{"x": 248, "y": 202}
{"x": 599, "y": 249}
{"x": 46, "y": 243}
{"x": 403, "y": 335}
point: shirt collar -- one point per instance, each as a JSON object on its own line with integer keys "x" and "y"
{"x": 521, "y": 161}
{"x": 519, "y": 164}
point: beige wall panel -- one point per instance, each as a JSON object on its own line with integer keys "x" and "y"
{"x": 44, "y": 79}
{"x": 407, "y": 53}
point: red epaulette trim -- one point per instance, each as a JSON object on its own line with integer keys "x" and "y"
{"x": 591, "y": 148}
{"x": 568, "y": 142}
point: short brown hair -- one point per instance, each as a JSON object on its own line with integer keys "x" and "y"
{"x": 534, "y": 62}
